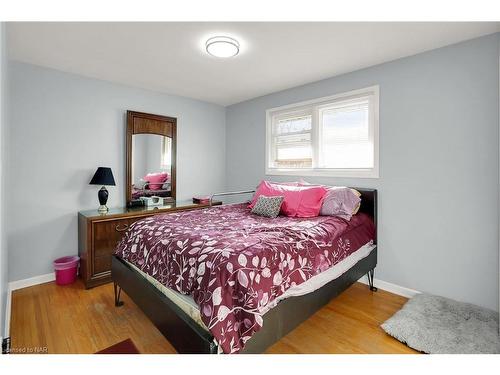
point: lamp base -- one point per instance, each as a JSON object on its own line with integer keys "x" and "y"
{"x": 103, "y": 199}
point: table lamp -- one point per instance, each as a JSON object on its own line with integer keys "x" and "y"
{"x": 103, "y": 176}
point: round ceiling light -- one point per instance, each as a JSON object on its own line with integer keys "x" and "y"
{"x": 222, "y": 46}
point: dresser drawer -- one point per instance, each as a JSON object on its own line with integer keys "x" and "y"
{"x": 102, "y": 264}
{"x": 107, "y": 234}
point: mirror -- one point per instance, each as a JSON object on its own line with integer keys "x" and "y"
{"x": 151, "y": 166}
{"x": 151, "y": 141}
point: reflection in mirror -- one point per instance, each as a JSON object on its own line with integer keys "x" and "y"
{"x": 151, "y": 166}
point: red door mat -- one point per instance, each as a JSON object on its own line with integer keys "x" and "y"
{"x": 123, "y": 347}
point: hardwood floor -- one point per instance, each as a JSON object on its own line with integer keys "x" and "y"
{"x": 70, "y": 319}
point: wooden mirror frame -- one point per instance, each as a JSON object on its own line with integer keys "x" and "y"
{"x": 147, "y": 123}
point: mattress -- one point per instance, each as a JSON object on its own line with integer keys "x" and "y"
{"x": 237, "y": 265}
{"x": 187, "y": 304}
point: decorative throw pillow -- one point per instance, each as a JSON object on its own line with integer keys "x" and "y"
{"x": 268, "y": 206}
{"x": 341, "y": 201}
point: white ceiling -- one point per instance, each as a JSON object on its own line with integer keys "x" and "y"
{"x": 170, "y": 57}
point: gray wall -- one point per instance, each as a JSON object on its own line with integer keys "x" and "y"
{"x": 438, "y": 212}
{"x": 3, "y": 133}
{"x": 63, "y": 127}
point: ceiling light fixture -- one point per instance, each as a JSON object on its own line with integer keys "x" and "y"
{"x": 222, "y": 46}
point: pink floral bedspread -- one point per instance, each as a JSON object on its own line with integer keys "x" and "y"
{"x": 234, "y": 263}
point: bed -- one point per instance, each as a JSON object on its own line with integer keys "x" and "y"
{"x": 224, "y": 280}
{"x": 146, "y": 192}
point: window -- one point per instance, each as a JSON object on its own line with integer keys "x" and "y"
{"x": 166, "y": 153}
{"x": 334, "y": 136}
{"x": 293, "y": 142}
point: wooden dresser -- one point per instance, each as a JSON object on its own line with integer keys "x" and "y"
{"x": 98, "y": 236}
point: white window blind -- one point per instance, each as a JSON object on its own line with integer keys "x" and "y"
{"x": 345, "y": 140}
{"x": 335, "y": 136}
{"x": 293, "y": 142}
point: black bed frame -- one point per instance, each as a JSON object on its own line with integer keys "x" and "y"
{"x": 188, "y": 337}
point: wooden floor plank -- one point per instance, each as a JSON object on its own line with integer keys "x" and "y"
{"x": 71, "y": 319}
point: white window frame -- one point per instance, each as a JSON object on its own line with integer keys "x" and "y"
{"x": 314, "y": 107}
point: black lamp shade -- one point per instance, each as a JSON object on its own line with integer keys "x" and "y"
{"x": 103, "y": 176}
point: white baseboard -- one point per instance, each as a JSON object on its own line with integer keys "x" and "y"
{"x": 19, "y": 284}
{"x": 392, "y": 288}
{"x": 8, "y": 304}
{"x": 41, "y": 279}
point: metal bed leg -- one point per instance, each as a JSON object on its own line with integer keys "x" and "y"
{"x": 370, "y": 280}
{"x": 118, "y": 291}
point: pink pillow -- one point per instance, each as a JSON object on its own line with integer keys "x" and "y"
{"x": 299, "y": 201}
{"x": 156, "y": 180}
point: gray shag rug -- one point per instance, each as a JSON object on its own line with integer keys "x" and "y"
{"x": 433, "y": 324}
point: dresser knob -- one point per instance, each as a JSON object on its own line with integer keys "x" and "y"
{"x": 121, "y": 229}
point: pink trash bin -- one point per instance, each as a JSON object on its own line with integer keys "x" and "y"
{"x": 66, "y": 269}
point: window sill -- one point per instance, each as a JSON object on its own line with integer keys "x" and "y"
{"x": 345, "y": 173}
